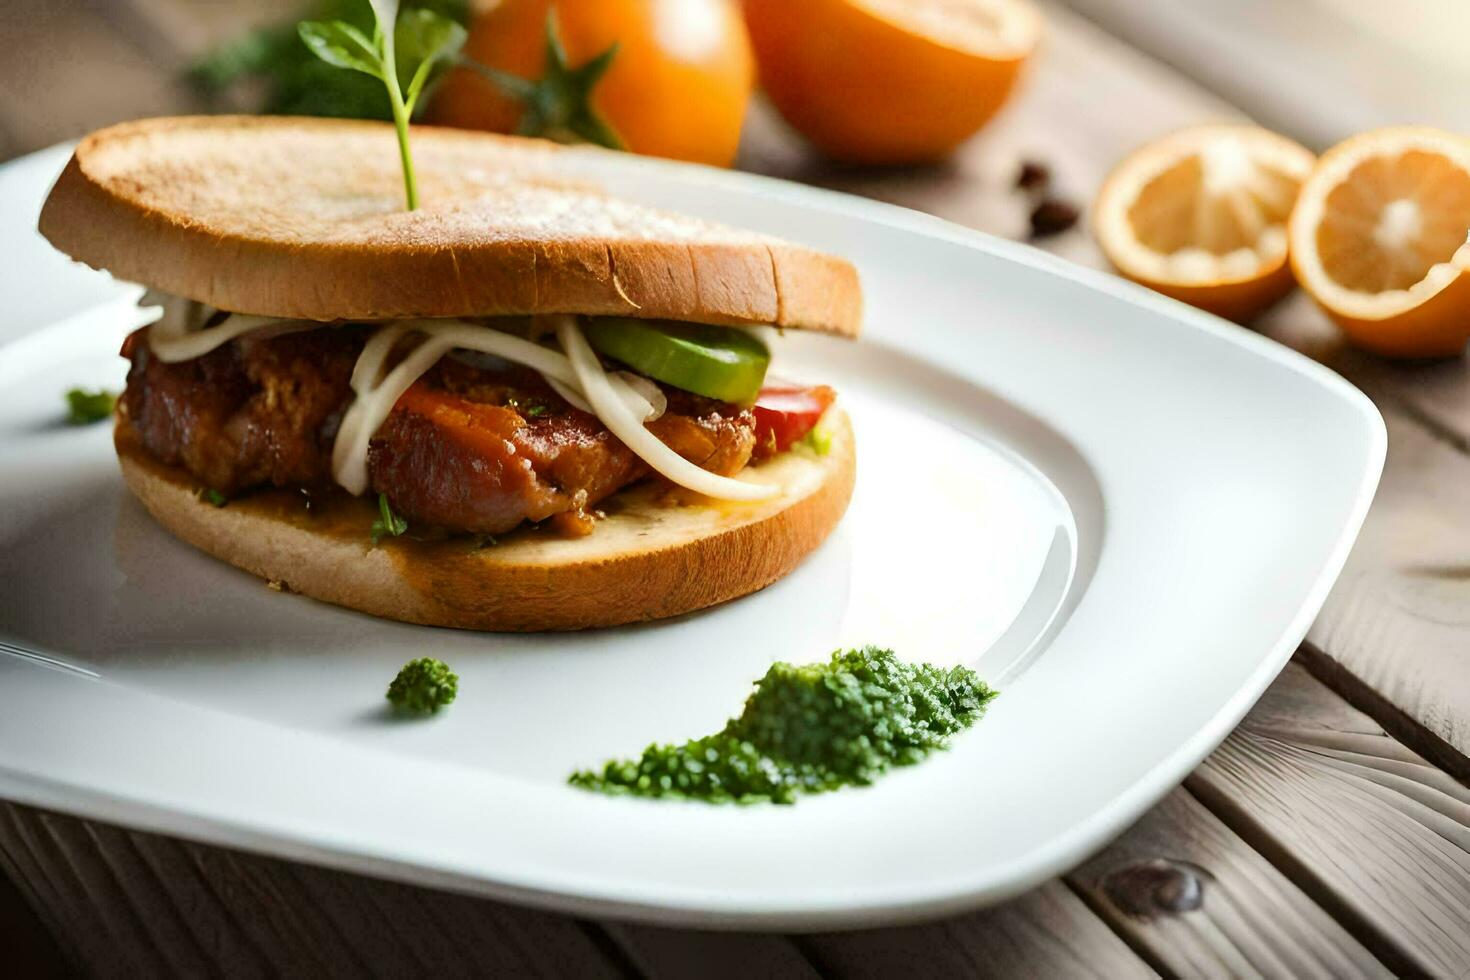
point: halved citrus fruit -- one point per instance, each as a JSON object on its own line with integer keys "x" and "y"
{"x": 1381, "y": 239}
{"x": 1201, "y": 216}
{"x": 890, "y": 81}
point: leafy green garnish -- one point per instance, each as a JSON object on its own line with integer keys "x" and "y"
{"x": 388, "y": 523}
{"x": 531, "y": 409}
{"x": 213, "y": 496}
{"x": 84, "y": 407}
{"x": 402, "y": 53}
{"x": 810, "y": 729}
{"x": 298, "y": 82}
{"x": 294, "y": 81}
{"x": 343, "y": 46}
{"x": 423, "y": 686}
{"x": 558, "y": 105}
{"x": 818, "y": 440}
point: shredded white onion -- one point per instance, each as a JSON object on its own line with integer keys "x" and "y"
{"x": 377, "y": 395}
{"x": 647, "y": 390}
{"x": 173, "y": 337}
{"x": 369, "y": 367}
{"x": 614, "y": 413}
{"x": 172, "y": 347}
{"x": 371, "y": 407}
{"x": 623, "y": 401}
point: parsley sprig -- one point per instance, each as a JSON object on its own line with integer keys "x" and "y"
{"x": 403, "y": 53}
{"x": 388, "y": 523}
{"x": 406, "y": 49}
{"x": 285, "y": 77}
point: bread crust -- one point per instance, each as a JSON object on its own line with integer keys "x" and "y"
{"x": 650, "y": 558}
{"x": 304, "y": 219}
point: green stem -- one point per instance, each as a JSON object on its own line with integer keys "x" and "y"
{"x": 400, "y": 123}
{"x": 416, "y": 86}
{"x": 384, "y": 37}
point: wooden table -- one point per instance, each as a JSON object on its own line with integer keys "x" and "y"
{"x": 1329, "y": 835}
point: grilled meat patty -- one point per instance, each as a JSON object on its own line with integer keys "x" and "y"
{"x": 466, "y": 449}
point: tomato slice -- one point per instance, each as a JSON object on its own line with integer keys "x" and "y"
{"x": 784, "y": 413}
{"x": 717, "y": 362}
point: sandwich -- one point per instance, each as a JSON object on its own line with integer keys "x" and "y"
{"x": 527, "y": 405}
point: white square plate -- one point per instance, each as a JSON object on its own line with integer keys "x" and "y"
{"x": 1123, "y": 512}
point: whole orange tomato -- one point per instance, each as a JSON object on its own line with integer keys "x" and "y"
{"x": 677, "y": 87}
{"x": 890, "y": 81}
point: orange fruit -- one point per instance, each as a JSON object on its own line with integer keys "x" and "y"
{"x": 1380, "y": 237}
{"x": 678, "y": 86}
{"x": 1201, "y": 216}
{"x": 890, "y": 81}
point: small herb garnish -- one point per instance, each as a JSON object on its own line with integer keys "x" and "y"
{"x": 388, "y": 523}
{"x": 289, "y": 78}
{"x": 810, "y": 729}
{"x": 558, "y": 105}
{"x": 402, "y": 53}
{"x": 423, "y": 686}
{"x": 213, "y": 496}
{"x": 530, "y": 409}
{"x": 85, "y": 407}
{"x": 819, "y": 441}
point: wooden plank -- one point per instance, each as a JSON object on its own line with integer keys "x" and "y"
{"x": 163, "y": 906}
{"x": 1399, "y": 618}
{"x": 38, "y": 892}
{"x": 145, "y": 905}
{"x": 29, "y": 950}
{"x": 92, "y": 928}
{"x": 1393, "y": 634}
{"x": 1196, "y": 901}
{"x": 65, "y": 72}
{"x": 1362, "y": 824}
{"x": 1255, "y": 53}
{"x": 675, "y": 953}
{"x": 1046, "y": 933}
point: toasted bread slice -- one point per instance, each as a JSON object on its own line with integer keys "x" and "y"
{"x": 304, "y": 218}
{"x": 650, "y": 558}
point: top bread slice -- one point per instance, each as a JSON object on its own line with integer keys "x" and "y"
{"x": 304, "y": 219}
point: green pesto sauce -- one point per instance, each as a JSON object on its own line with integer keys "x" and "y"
{"x": 810, "y": 729}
